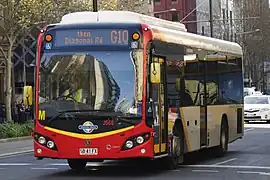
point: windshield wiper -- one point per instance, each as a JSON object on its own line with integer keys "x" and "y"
{"x": 74, "y": 111}
{"x": 120, "y": 117}
{"x": 127, "y": 117}
{"x": 86, "y": 110}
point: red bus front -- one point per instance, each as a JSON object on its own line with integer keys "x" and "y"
{"x": 90, "y": 95}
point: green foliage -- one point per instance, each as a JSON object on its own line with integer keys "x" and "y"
{"x": 22, "y": 14}
{"x": 11, "y": 130}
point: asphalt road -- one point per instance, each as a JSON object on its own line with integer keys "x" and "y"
{"x": 247, "y": 159}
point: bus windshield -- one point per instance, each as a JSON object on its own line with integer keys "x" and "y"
{"x": 96, "y": 80}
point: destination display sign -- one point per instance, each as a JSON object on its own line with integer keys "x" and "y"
{"x": 91, "y": 37}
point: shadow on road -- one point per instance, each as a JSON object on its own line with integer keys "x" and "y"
{"x": 133, "y": 168}
{"x": 120, "y": 169}
{"x": 204, "y": 156}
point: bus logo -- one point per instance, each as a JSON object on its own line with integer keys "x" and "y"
{"x": 88, "y": 127}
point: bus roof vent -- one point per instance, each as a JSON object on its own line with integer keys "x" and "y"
{"x": 119, "y": 17}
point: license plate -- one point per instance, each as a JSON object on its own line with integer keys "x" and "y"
{"x": 88, "y": 151}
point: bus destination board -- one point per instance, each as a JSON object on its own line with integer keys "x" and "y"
{"x": 91, "y": 37}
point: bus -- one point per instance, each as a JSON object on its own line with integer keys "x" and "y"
{"x": 115, "y": 85}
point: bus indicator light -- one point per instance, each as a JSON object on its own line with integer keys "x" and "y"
{"x": 48, "y": 38}
{"x": 135, "y": 36}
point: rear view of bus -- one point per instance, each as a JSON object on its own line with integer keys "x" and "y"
{"x": 89, "y": 93}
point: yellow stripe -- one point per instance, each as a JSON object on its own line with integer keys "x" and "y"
{"x": 156, "y": 148}
{"x": 185, "y": 129}
{"x": 86, "y": 136}
{"x": 163, "y": 147}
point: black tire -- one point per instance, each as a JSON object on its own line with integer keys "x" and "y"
{"x": 77, "y": 164}
{"x": 224, "y": 139}
{"x": 177, "y": 146}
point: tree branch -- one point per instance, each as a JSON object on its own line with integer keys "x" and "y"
{"x": 4, "y": 18}
{"x": 2, "y": 51}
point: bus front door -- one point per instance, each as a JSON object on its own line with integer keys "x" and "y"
{"x": 160, "y": 114}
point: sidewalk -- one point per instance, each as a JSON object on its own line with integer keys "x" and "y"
{"x": 16, "y": 147}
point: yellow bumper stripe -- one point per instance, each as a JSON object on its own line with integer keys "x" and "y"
{"x": 88, "y": 136}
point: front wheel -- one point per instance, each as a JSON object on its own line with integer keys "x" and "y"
{"x": 77, "y": 164}
{"x": 177, "y": 150}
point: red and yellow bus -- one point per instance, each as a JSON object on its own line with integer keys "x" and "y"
{"x": 116, "y": 85}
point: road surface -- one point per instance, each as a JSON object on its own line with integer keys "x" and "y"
{"x": 247, "y": 159}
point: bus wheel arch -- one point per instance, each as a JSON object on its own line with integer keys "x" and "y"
{"x": 77, "y": 164}
{"x": 224, "y": 136}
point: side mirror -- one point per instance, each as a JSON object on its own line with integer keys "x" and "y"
{"x": 155, "y": 73}
{"x": 28, "y": 95}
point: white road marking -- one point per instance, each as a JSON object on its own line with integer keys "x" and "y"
{"x": 66, "y": 164}
{"x": 15, "y": 164}
{"x": 223, "y": 162}
{"x": 247, "y": 172}
{"x": 227, "y": 166}
{"x": 57, "y": 164}
{"x": 206, "y": 171}
{"x": 16, "y": 153}
{"x": 26, "y": 148}
{"x": 252, "y": 172}
{"x": 44, "y": 168}
{"x": 263, "y": 125}
{"x": 250, "y": 129}
{"x": 265, "y": 174}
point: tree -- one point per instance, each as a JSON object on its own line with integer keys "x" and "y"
{"x": 20, "y": 15}
{"x": 17, "y": 17}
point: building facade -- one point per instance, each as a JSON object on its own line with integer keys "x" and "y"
{"x": 176, "y": 10}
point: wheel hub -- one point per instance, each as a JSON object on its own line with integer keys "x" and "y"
{"x": 223, "y": 140}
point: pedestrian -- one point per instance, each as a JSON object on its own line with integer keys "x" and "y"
{"x": 14, "y": 112}
{"x": 21, "y": 112}
{"x": 2, "y": 115}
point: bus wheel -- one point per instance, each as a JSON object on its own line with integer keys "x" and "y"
{"x": 177, "y": 150}
{"x": 77, "y": 164}
{"x": 223, "y": 147}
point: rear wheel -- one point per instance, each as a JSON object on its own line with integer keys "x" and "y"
{"x": 77, "y": 164}
{"x": 223, "y": 147}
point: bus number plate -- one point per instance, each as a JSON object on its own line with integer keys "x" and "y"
{"x": 88, "y": 151}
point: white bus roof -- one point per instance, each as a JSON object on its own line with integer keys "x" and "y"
{"x": 167, "y": 31}
{"x": 119, "y": 17}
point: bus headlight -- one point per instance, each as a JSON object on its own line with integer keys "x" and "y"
{"x": 129, "y": 144}
{"x": 50, "y": 144}
{"x": 139, "y": 139}
{"x": 135, "y": 141}
{"x": 45, "y": 141}
{"x": 41, "y": 140}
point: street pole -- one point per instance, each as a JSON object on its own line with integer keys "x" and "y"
{"x": 231, "y": 25}
{"x": 95, "y": 6}
{"x": 211, "y": 17}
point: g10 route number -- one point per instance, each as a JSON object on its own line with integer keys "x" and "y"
{"x": 119, "y": 36}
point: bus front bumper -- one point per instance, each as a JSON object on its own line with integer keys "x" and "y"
{"x": 116, "y": 146}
